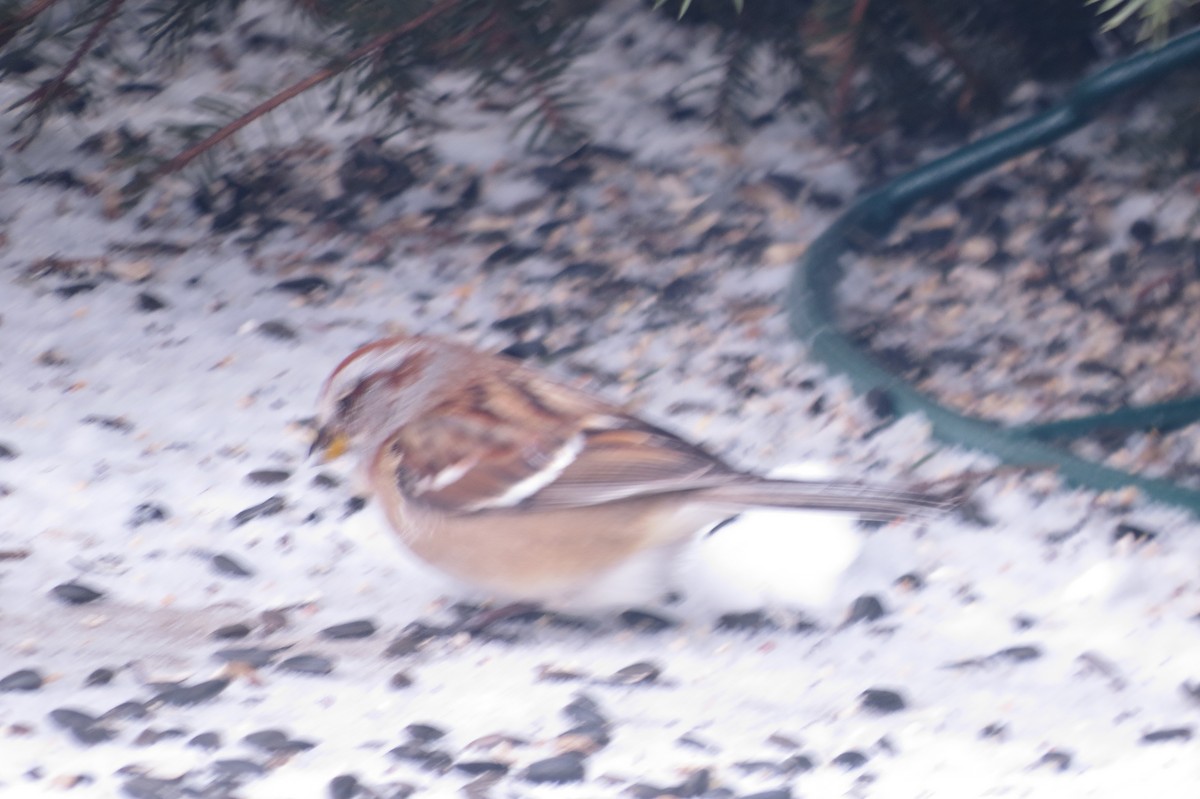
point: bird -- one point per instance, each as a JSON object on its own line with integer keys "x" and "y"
{"x": 533, "y": 491}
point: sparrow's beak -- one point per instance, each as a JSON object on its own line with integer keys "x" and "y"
{"x": 328, "y": 445}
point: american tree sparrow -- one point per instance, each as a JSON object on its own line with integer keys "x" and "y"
{"x": 500, "y": 476}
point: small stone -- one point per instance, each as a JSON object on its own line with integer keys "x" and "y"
{"x": 882, "y": 700}
{"x": 280, "y": 331}
{"x": 750, "y": 621}
{"x": 69, "y": 718}
{"x": 255, "y": 657}
{"x": 101, "y": 676}
{"x": 127, "y": 710}
{"x": 363, "y": 628}
{"x": 850, "y": 760}
{"x": 1136, "y": 534}
{"x": 584, "y": 710}
{"x": 304, "y": 286}
{"x": 22, "y": 680}
{"x": 1168, "y": 734}
{"x": 150, "y": 736}
{"x": 865, "y": 608}
{"x": 773, "y": 793}
{"x": 424, "y": 732}
{"x": 344, "y": 786}
{"x": 567, "y": 767}
{"x": 227, "y": 564}
{"x": 401, "y": 680}
{"x": 640, "y": 673}
{"x": 476, "y": 767}
{"x": 268, "y": 740}
{"x": 231, "y": 631}
{"x": 643, "y": 621}
{"x": 149, "y": 303}
{"x": 75, "y": 593}
{"x": 148, "y": 513}
{"x": 266, "y": 477}
{"x": 206, "y": 740}
{"x": 7, "y": 452}
{"x": 308, "y": 664}
{"x": 410, "y": 640}
{"x": 192, "y": 694}
{"x": 996, "y": 729}
{"x": 268, "y": 507}
{"x": 237, "y": 767}
{"x": 1057, "y": 759}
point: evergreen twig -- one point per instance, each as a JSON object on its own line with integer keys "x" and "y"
{"x": 371, "y": 47}
{"x": 43, "y": 95}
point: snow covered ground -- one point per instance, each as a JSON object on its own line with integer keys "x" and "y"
{"x": 156, "y": 378}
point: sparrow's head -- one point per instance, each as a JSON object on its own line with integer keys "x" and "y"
{"x": 375, "y": 390}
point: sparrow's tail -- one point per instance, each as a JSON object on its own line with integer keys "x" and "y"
{"x": 866, "y": 499}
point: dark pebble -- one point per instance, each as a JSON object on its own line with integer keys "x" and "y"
{"x": 567, "y": 767}
{"x": 996, "y": 729}
{"x": 476, "y": 767}
{"x": 149, "y": 303}
{"x": 401, "y": 680}
{"x": 268, "y": 507}
{"x": 229, "y": 565}
{"x": 71, "y": 289}
{"x": 70, "y": 719}
{"x": 362, "y": 628}
{"x": 751, "y": 621}
{"x": 880, "y": 403}
{"x": 640, "y": 673}
{"x": 267, "y": 740}
{"x": 151, "y": 736}
{"x": 562, "y": 177}
{"x": 7, "y": 452}
{"x": 353, "y": 505}
{"x": 508, "y": 254}
{"x": 231, "y": 631}
{"x": 90, "y": 736}
{"x": 643, "y": 621}
{"x": 410, "y": 639}
{"x": 584, "y": 270}
{"x": 788, "y": 185}
{"x": 148, "y": 513}
{"x": 1139, "y": 535}
{"x": 308, "y": 664}
{"x": 192, "y": 694}
{"x": 303, "y": 286}
{"x": 865, "y": 608}
{"x": 141, "y": 787}
{"x": 101, "y": 676}
{"x": 266, "y": 477}
{"x": 344, "y": 786}
{"x": 882, "y": 700}
{"x": 524, "y": 350}
{"x": 206, "y": 740}
{"x": 252, "y": 656}
{"x": 424, "y": 732}
{"x": 280, "y": 331}
{"x": 127, "y": 710}
{"x": 797, "y": 764}
{"x": 850, "y": 760}
{"x": 588, "y": 737}
{"x": 1018, "y": 654}
{"x": 117, "y": 424}
{"x": 426, "y": 758}
{"x": 23, "y": 680}
{"x": 585, "y": 710}
{"x": 236, "y": 768}
{"x": 1056, "y": 759}
{"x": 75, "y": 593}
{"x": 1168, "y": 734}
{"x": 326, "y": 480}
